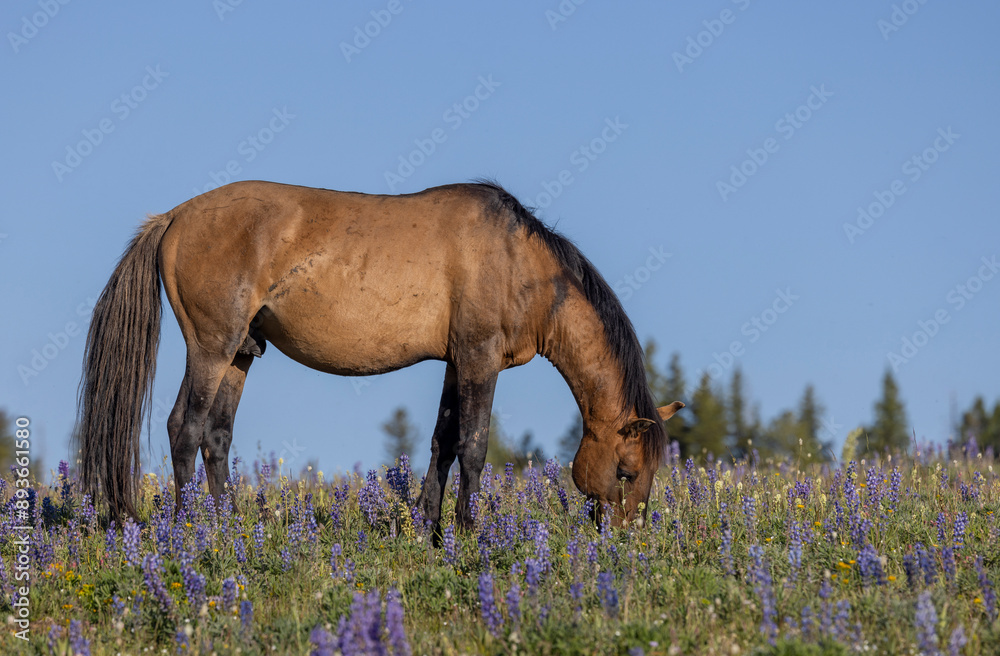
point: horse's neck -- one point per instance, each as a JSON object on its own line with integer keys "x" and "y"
{"x": 576, "y": 345}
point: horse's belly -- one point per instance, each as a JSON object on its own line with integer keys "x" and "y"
{"x": 358, "y": 332}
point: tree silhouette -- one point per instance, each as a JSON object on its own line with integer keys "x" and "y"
{"x": 890, "y": 431}
{"x": 400, "y": 435}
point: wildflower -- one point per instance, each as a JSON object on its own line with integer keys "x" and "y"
{"x": 246, "y": 615}
{"x": 79, "y": 646}
{"x": 228, "y": 593}
{"x": 513, "y": 600}
{"x": 152, "y": 572}
{"x": 926, "y": 624}
{"x": 488, "y": 607}
{"x": 760, "y": 576}
{"x": 957, "y": 641}
{"x": 182, "y": 641}
{"x": 394, "y": 624}
{"x": 608, "y": 593}
{"x": 130, "y": 542}
{"x": 450, "y": 545}
{"x": 323, "y": 641}
{"x": 989, "y": 594}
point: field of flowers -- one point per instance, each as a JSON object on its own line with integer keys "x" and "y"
{"x": 893, "y": 557}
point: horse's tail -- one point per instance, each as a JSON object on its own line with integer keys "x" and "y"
{"x": 118, "y": 367}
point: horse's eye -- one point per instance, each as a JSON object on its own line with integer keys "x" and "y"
{"x": 628, "y": 476}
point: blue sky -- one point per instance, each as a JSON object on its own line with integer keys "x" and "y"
{"x": 712, "y": 159}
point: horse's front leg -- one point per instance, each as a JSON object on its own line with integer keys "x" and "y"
{"x": 476, "y": 386}
{"x": 442, "y": 455}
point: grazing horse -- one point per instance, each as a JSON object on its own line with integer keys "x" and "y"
{"x": 356, "y": 284}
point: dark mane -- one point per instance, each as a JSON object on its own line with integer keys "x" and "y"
{"x": 618, "y": 328}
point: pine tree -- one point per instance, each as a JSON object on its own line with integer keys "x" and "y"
{"x": 813, "y": 449}
{"x": 708, "y": 431}
{"x": 739, "y": 430}
{"x": 890, "y": 430}
{"x": 401, "y": 435}
{"x": 666, "y": 389}
{"x": 980, "y": 425}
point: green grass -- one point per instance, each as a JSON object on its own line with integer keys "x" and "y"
{"x": 673, "y": 596}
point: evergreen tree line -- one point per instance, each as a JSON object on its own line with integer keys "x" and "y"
{"x": 719, "y": 421}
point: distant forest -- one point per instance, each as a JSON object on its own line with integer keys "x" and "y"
{"x": 720, "y": 422}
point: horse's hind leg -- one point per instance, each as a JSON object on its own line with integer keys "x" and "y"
{"x": 201, "y": 383}
{"x": 442, "y": 454}
{"x": 219, "y": 424}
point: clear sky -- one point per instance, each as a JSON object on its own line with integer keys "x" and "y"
{"x": 713, "y": 159}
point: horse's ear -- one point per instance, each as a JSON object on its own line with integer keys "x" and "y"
{"x": 635, "y": 428}
{"x": 667, "y": 411}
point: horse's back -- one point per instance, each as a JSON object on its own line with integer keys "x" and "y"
{"x": 343, "y": 282}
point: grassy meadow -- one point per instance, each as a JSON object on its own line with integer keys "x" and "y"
{"x": 897, "y": 556}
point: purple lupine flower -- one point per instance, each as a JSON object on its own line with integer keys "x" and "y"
{"x": 111, "y": 540}
{"x": 241, "y": 550}
{"x": 948, "y": 564}
{"x": 182, "y": 642}
{"x": 360, "y": 633}
{"x": 668, "y": 497}
{"x": 79, "y": 646}
{"x": 450, "y": 545}
{"x": 394, "y": 623}
{"x": 563, "y": 499}
{"x": 678, "y": 533}
{"x": 794, "y": 550}
{"x": 371, "y": 499}
{"x": 323, "y": 641}
{"x": 399, "y": 479}
{"x": 806, "y": 625}
{"x": 513, "y": 600}
{"x": 912, "y": 570}
{"x": 258, "y": 539}
{"x": 957, "y": 641}
{"x": 488, "y": 606}
{"x": 989, "y": 594}
{"x": 542, "y": 552}
{"x": 942, "y": 524}
{"x": 152, "y": 570}
{"x": 335, "y": 552}
{"x": 576, "y": 594}
{"x": 592, "y": 554}
{"x": 750, "y": 516}
{"x": 760, "y": 576}
{"x": 246, "y": 615}
{"x": 228, "y": 593}
{"x": 694, "y": 489}
{"x": 118, "y": 605}
{"x": 608, "y": 593}
{"x": 362, "y": 542}
{"x": 925, "y": 559}
{"x": 870, "y": 566}
{"x": 532, "y": 575}
{"x": 194, "y": 585}
{"x": 655, "y": 521}
{"x": 508, "y": 476}
{"x": 926, "y": 624}
{"x": 286, "y": 559}
{"x": 961, "y": 522}
{"x": 894, "y": 482}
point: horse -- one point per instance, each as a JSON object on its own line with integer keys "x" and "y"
{"x": 356, "y": 284}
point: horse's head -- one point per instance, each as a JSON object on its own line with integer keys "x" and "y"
{"x": 611, "y": 466}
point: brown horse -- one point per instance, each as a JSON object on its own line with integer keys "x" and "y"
{"x": 357, "y": 284}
